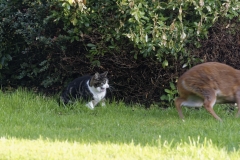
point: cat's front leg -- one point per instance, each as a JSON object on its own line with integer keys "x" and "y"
{"x": 90, "y": 105}
{"x": 103, "y": 104}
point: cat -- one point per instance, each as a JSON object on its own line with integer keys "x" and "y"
{"x": 88, "y": 88}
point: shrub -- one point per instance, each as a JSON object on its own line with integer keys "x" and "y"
{"x": 163, "y": 28}
{"x": 142, "y": 43}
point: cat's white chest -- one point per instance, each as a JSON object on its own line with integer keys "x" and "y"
{"x": 98, "y": 95}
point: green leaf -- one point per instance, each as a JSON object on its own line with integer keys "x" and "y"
{"x": 43, "y": 63}
{"x": 164, "y": 97}
{"x": 8, "y": 57}
{"x": 165, "y": 63}
{"x": 96, "y": 63}
{"x": 74, "y": 21}
{"x": 135, "y": 56}
{"x": 86, "y": 24}
{"x": 112, "y": 47}
{"x": 76, "y": 38}
{"x": 2, "y": 60}
{"x": 172, "y": 86}
{"x": 91, "y": 45}
{"x": 168, "y": 91}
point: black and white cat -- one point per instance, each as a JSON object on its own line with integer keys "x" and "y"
{"x": 89, "y": 88}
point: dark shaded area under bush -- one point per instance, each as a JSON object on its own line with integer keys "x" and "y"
{"x": 222, "y": 45}
{"x": 138, "y": 81}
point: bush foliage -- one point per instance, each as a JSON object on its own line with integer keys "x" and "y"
{"x": 46, "y": 43}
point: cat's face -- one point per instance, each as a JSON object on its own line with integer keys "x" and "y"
{"x": 99, "y": 82}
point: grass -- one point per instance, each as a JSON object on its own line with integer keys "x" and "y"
{"x": 33, "y": 126}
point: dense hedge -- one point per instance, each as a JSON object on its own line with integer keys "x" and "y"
{"x": 142, "y": 43}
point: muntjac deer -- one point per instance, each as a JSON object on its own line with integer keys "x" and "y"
{"x": 206, "y": 84}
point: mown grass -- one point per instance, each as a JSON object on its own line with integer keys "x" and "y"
{"x": 33, "y": 126}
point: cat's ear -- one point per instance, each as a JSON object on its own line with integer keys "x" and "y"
{"x": 104, "y": 74}
{"x": 96, "y": 76}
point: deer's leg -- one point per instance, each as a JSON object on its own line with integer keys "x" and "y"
{"x": 178, "y": 103}
{"x": 209, "y": 101}
{"x": 238, "y": 102}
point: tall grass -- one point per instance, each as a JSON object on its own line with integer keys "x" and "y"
{"x": 33, "y": 126}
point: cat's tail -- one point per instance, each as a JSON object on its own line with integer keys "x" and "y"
{"x": 59, "y": 101}
{"x": 63, "y": 99}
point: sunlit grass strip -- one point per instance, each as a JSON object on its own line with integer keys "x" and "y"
{"x": 12, "y": 148}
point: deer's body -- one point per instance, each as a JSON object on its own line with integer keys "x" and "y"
{"x": 207, "y": 84}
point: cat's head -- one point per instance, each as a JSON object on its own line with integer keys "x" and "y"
{"x": 99, "y": 81}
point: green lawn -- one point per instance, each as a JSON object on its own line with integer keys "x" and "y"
{"x": 35, "y": 127}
